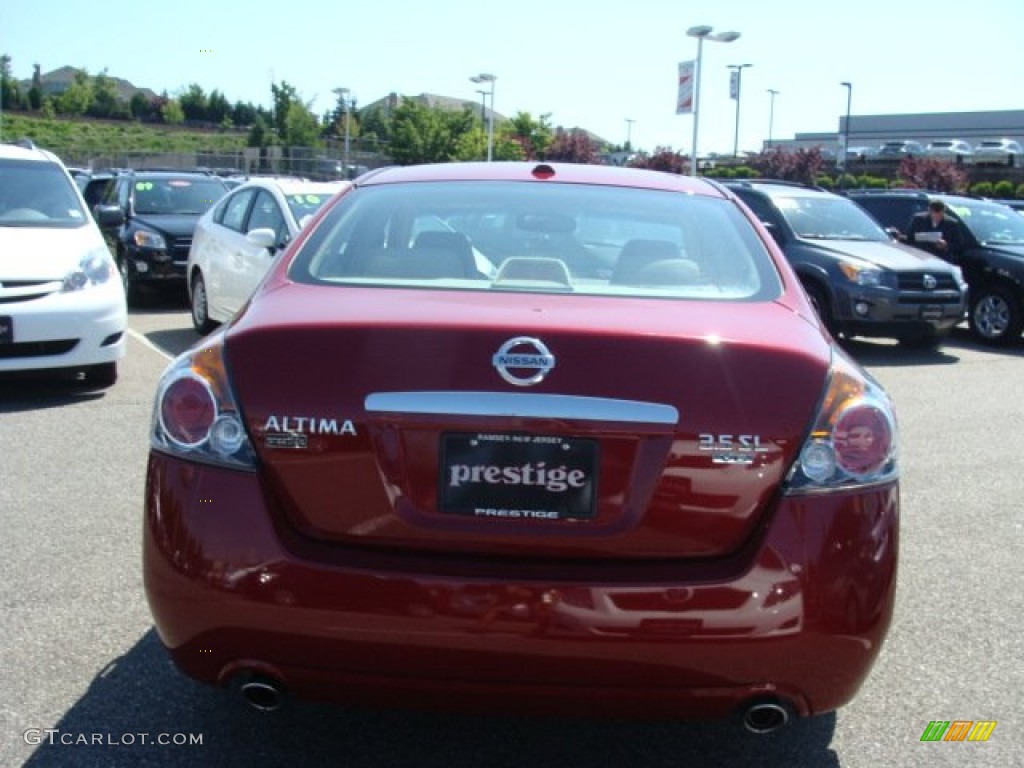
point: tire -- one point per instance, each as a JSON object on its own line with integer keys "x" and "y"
{"x": 132, "y": 290}
{"x": 995, "y": 315}
{"x": 822, "y": 307}
{"x": 101, "y": 376}
{"x": 200, "y": 306}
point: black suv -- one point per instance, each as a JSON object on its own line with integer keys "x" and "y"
{"x": 859, "y": 280}
{"x": 992, "y": 258}
{"x": 147, "y": 218}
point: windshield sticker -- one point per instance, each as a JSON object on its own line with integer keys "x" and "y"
{"x": 143, "y": 186}
{"x": 179, "y": 183}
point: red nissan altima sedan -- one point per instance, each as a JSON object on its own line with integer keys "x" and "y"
{"x": 528, "y": 438}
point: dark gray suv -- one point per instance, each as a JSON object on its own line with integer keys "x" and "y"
{"x": 860, "y": 281}
{"x": 992, "y": 258}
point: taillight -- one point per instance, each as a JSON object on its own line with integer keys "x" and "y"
{"x": 854, "y": 438}
{"x": 188, "y": 409}
{"x": 195, "y": 414}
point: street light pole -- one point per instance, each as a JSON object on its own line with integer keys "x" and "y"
{"x": 771, "y": 114}
{"x": 629, "y": 133}
{"x": 738, "y": 70}
{"x": 484, "y": 77}
{"x": 483, "y": 107}
{"x": 346, "y": 103}
{"x": 701, "y": 33}
{"x": 844, "y": 150}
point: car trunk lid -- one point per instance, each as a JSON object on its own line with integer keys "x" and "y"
{"x": 381, "y": 419}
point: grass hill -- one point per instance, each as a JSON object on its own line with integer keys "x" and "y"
{"x": 76, "y": 137}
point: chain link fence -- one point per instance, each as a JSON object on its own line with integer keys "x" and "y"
{"x": 306, "y": 162}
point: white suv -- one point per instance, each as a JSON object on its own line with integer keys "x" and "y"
{"x": 62, "y": 306}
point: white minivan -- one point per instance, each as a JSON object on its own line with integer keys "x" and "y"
{"x": 62, "y": 305}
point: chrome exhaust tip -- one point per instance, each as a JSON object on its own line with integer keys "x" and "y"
{"x": 262, "y": 693}
{"x": 765, "y": 717}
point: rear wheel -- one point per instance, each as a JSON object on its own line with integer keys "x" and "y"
{"x": 995, "y": 316}
{"x": 821, "y": 305}
{"x": 200, "y": 306}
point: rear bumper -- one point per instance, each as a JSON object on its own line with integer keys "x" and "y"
{"x": 801, "y": 618}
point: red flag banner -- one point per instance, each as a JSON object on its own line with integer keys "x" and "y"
{"x": 684, "y": 100}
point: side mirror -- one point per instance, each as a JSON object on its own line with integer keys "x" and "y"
{"x": 262, "y": 237}
{"x": 109, "y": 216}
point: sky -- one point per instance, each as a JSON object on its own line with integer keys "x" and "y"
{"x": 609, "y": 68}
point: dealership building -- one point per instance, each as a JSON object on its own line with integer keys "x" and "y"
{"x": 874, "y": 130}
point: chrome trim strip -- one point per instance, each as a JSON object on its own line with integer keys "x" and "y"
{"x": 522, "y": 405}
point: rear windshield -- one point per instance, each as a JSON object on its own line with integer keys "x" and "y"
{"x": 547, "y": 238}
{"x": 38, "y": 194}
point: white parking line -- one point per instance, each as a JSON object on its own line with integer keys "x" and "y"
{"x": 146, "y": 342}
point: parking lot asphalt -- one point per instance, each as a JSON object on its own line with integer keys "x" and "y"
{"x": 80, "y": 661}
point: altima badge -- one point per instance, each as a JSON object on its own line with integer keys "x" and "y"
{"x": 523, "y": 353}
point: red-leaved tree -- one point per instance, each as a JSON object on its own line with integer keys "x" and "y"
{"x": 573, "y": 146}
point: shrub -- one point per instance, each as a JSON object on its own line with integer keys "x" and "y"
{"x": 1002, "y": 189}
{"x": 982, "y": 189}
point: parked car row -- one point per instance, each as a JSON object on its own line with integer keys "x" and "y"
{"x": 1001, "y": 151}
{"x": 150, "y": 217}
{"x": 860, "y": 282}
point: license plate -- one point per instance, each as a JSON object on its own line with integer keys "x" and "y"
{"x": 516, "y": 476}
{"x": 931, "y": 312}
{"x": 6, "y": 329}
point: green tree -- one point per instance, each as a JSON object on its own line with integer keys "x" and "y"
{"x": 533, "y": 136}
{"x": 77, "y": 97}
{"x": 302, "y": 129}
{"x": 422, "y": 134}
{"x": 260, "y": 133}
{"x": 141, "y": 108}
{"x": 105, "y": 101}
{"x": 8, "y": 85}
{"x": 472, "y": 145}
{"x": 194, "y": 103}
{"x": 35, "y": 92}
{"x": 172, "y": 113}
{"x": 284, "y": 96}
{"x": 375, "y": 124}
{"x": 243, "y": 114}
{"x": 218, "y": 108}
